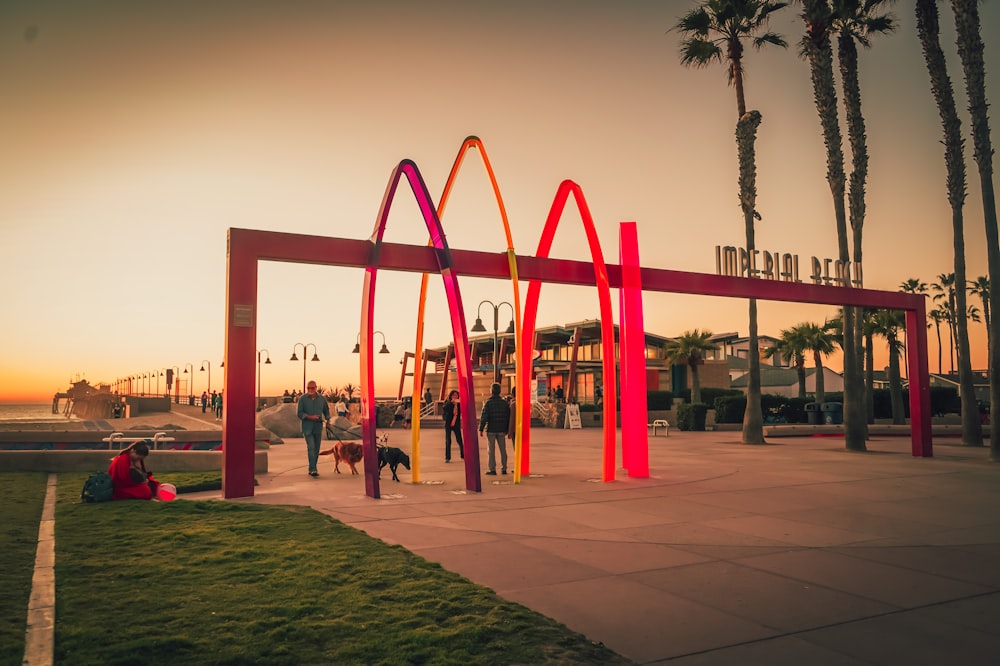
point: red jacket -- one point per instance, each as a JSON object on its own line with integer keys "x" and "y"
{"x": 126, "y": 487}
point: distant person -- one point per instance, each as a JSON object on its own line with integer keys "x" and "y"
{"x": 314, "y": 412}
{"x": 204, "y": 401}
{"x": 452, "y": 413}
{"x": 428, "y": 397}
{"x": 512, "y": 427}
{"x": 598, "y": 395}
{"x": 218, "y": 407}
{"x": 560, "y": 396}
{"x": 397, "y": 416}
{"x": 495, "y": 421}
{"x": 408, "y": 415}
{"x": 129, "y": 476}
{"x": 341, "y": 408}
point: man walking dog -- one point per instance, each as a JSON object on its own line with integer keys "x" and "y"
{"x": 494, "y": 421}
{"x": 314, "y": 412}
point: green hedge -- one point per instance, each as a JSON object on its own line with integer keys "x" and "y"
{"x": 659, "y": 400}
{"x": 709, "y": 395}
{"x": 589, "y": 407}
{"x": 775, "y": 408}
{"x": 692, "y": 417}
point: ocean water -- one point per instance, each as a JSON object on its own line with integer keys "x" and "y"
{"x": 30, "y": 412}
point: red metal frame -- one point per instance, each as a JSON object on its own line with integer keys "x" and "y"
{"x": 247, "y": 247}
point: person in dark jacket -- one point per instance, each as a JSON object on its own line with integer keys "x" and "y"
{"x": 452, "y": 413}
{"x": 494, "y": 421}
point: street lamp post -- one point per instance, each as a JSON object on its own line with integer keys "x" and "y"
{"x": 175, "y": 378}
{"x": 190, "y": 379}
{"x": 357, "y": 345}
{"x": 207, "y": 364}
{"x": 479, "y": 328}
{"x": 267, "y": 362}
{"x": 305, "y": 357}
{"x": 157, "y": 374}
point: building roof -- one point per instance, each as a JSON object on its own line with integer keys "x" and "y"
{"x": 773, "y": 376}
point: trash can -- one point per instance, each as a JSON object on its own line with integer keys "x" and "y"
{"x": 813, "y": 413}
{"x": 833, "y": 413}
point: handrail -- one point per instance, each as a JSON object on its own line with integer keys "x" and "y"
{"x": 120, "y": 438}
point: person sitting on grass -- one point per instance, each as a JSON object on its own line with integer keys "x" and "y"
{"x": 129, "y": 476}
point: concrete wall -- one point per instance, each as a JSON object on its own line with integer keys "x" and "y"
{"x": 92, "y": 461}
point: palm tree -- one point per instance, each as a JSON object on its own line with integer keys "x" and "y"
{"x": 970, "y": 50}
{"x": 937, "y": 315}
{"x": 913, "y": 286}
{"x": 715, "y": 31}
{"x": 817, "y": 49}
{"x": 889, "y": 324}
{"x": 791, "y": 346}
{"x": 945, "y": 286}
{"x": 820, "y": 340}
{"x": 690, "y": 348}
{"x": 856, "y": 22}
{"x": 981, "y": 288}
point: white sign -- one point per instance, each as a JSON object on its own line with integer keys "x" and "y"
{"x": 573, "y": 421}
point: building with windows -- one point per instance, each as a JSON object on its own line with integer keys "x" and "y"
{"x": 567, "y": 358}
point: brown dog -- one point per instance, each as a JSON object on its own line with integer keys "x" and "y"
{"x": 349, "y": 452}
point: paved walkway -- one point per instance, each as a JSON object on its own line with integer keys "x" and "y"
{"x": 793, "y": 553}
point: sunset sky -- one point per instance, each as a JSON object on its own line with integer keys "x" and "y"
{"x": 133, "y": 134}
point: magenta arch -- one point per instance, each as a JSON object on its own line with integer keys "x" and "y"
{"x": 566, "y": 188}
{"x": 462, "y": 361}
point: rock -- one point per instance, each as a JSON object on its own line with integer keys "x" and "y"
{"x": 344, "y": 429}
{"x": 282, "y": 420}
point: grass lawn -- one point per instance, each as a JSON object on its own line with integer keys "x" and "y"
{"x": 21, "y": 499}
{"x": 196, "y": 582}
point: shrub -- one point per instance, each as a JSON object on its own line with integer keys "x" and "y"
{"x": 794, "y": 410}
{"x": 730, "y": 408}
{"x": 659, "y": 400}
{"x": 944, "y": 400}
{"x": 692, "y": 417}
{"x": 589, "y": 407}
{"x": 708, "y": 395}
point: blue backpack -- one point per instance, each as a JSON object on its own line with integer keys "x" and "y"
{"x": 98, "y": 488}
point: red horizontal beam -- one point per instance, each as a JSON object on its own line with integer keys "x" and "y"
{"x": 276, "y": 246}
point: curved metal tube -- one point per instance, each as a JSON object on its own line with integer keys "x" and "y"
{"x": 463, "y": 364}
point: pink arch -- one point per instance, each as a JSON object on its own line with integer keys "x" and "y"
{"x": 462, "y": 360}
{"x": 566, "y": 188}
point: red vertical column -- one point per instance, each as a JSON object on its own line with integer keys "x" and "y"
{"x": 635, "y": 435}
{"x": 920, "y": 388}
{"x": 238, "y": 428}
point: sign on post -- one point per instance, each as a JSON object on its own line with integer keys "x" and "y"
{"x": 573, "y": 421}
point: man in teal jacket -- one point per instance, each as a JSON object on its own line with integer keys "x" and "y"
{"x": 314, "y": 412}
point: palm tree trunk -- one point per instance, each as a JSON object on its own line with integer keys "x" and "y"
{"x": 746, "y": 135}
{"x": 820, "y": 381}
{"x": 895, "y": 384}
{"x": 848, "y": 56}
{"x": 972, "y": 434}
{"x": 870, "y": 376}
{"x": 695, "y": 382}
{"x": 820, "y": 54}
{"x": 970, "y": 50}
{"x": 800, "y": 368}
{"x": 937, "y": 325}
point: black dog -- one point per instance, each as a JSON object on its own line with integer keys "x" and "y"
{"x": 393, "y": 457}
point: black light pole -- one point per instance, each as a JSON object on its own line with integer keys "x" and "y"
{"x": 357, "y": 345}
{"x": 267, "y": 362}
{"x": 190, "y": 381}
{"x": 305, "y": 357}
{"x": 207, "y": 364}
{"x": 479, "y": 328}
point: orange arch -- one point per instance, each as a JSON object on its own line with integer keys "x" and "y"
{"x": 566, "y": 188}
{"x": 469, "y": 143}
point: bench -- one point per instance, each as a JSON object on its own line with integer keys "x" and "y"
{"x": 657, "y": 424}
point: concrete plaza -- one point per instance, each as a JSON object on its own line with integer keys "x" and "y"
{"x": 796, "y": 552}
